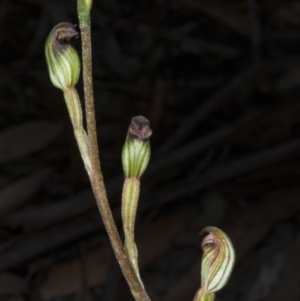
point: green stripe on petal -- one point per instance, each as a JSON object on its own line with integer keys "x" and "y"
{"x": 62, "y": 59}
{"x": 136, "y": 149}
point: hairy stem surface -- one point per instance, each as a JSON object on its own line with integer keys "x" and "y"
{"x": 95, "y": 173}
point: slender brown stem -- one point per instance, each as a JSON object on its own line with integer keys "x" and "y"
{"x": 95, "y": 174}
{"x": 126, "y": 267}
{"x": 89, "y": 93}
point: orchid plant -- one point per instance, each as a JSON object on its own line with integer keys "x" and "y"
{"x": 64, "y": 68}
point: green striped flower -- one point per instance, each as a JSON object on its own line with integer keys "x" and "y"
{"x": 136, "y": 150}
{"x": 217, "y": 261}
{"x": 62, "y": 59}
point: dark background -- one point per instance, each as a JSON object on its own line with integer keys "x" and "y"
{"x": 220, "y": 83}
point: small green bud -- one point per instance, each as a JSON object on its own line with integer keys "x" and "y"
{"x": 136, "y": 150}
{"x": 217, "y": 261}
{"x": 62, "y": 59}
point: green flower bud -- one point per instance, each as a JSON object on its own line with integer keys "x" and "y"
{"x": 136, "y": 150}
{"x": 217, "y": 261}
{"x": 62, "y": 59}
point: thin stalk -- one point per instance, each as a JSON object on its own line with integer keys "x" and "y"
{"x": 75, "y": 112}
{"x": 130, "y": 198}
{"x": 203, "y": 295}
{"x": 128, "y": 270}
{"x": 95, "y": 174}
{"x": 89, "y": 93}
